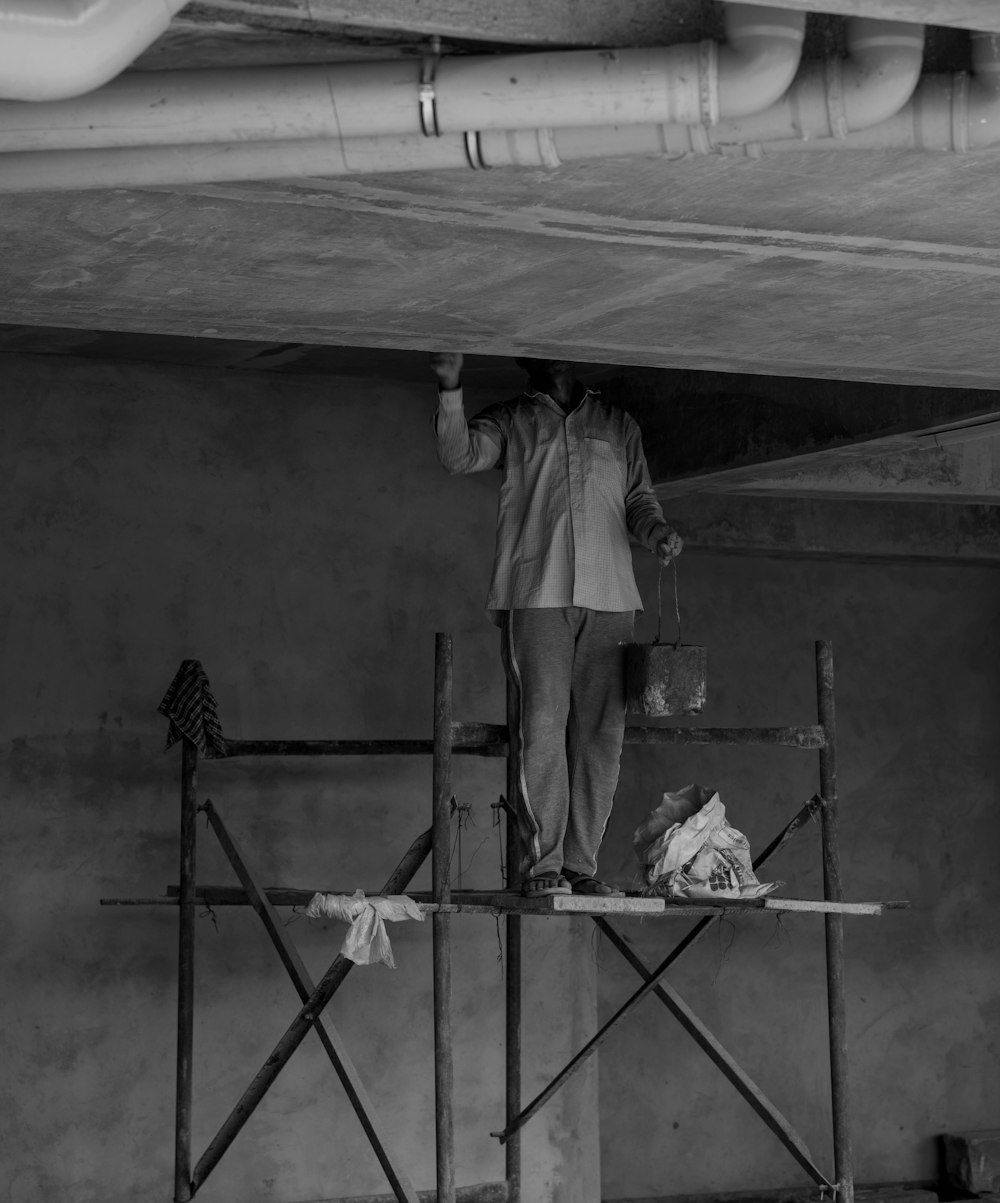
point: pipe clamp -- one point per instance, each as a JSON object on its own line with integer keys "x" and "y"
{"x": 708, "y": 82}
{"x": 427, "y": 96}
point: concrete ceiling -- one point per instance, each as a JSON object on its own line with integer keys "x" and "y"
{"x": 813, "y": 265}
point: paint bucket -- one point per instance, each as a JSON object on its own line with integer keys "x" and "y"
{"x": 663, "y": 679}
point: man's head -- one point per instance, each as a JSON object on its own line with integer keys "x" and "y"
{"x": 544, "y": 373}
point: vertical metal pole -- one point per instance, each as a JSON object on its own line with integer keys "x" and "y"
{"x": 443, "y": 1052}
{"x": 185, "y": 972}
{"x": 833, "y": 891}
{"x": 513, "y": 984}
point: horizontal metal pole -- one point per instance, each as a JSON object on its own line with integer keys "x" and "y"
{"x": 490, "y": 739}
{"x": 783, "y": 737}
{"x": 538, "y": 909}
{"x": 482, "y": 1192}
{"x": 468, "y": 739}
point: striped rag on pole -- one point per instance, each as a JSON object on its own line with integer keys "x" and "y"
{"x": 192, "y": 711}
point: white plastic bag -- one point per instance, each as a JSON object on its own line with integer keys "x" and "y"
{"x": 366, "y": 942}
{"x": 688, "y": 850}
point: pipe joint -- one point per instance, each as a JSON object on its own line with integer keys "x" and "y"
{"x": 960, "y": 111}
{"x": 832, "y": 99}
{"x": 63, "y": 48}
{"x": 836, "y": 109}
{"x": 518, "y": 148}
{"x": 759, "y": 58}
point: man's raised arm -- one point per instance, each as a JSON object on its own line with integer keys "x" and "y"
{"x": 462, "y": 446}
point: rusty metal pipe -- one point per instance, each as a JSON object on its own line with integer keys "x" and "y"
{"x": 834, "y": 928}
{"x": 185, "y": 972}
{"x": 444, "y": 1072}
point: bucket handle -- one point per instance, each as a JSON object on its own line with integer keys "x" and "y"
{"x": 659, "y": 605}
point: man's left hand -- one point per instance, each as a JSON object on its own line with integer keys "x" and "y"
{"x": 669, "y": 548}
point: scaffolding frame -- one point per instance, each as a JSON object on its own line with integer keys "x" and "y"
{"x": 483, "y": 739}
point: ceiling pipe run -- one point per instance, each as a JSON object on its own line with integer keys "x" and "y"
{"x": 948, "y": 112}
{"x": 695, "y": 82}
{"x": 53, "y": 49}
{"x": 958, "y": 112}
{"x": 828, "y": 98}
{"x": 832, "y": 97}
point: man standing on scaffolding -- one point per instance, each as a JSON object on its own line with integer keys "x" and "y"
{"x": 574, "y": 487}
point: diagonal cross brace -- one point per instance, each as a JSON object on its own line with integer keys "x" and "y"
{"x": 312, "y": 1008}
{"x": 329, "y": 1036}
{"x": 708, "y": 1043}
{"x": 804, "y": 815}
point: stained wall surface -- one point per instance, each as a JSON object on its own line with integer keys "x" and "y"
{"x": 918, "y": 759}
{"x": 299, "y": 537}
{"x": 301, "y": 540}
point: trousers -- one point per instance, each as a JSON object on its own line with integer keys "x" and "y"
{"x": 566, "y": 669}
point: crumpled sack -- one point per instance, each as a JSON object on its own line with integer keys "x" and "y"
{"x": 688, "y": 850}
{"x": 366, "y": 942}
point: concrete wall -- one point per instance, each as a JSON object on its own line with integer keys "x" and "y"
{"x": 298, "y": 536}
{"x": 917, "y": 669}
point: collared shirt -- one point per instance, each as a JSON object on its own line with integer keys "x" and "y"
{"x": 574, "y": 487}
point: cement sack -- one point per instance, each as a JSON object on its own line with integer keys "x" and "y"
{"x": 686, "y": 849}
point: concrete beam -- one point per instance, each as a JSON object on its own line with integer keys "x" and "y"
{"x": 960, "y": 14}
{"x": 966, "y": 472}
{"x": 852, "y": 530}
{"x": 718, "y": 430}
{"x": 582, "y": 22}
{"x": 515, "y": 22}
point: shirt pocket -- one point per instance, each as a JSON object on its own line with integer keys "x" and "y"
{"x": 603, "y": 466}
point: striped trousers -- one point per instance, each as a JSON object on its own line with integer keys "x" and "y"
{"x": 566, "y": 669}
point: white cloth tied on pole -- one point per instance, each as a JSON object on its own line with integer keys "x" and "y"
{"x": 366, "y": 942}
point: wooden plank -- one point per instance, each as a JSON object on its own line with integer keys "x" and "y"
{"x": 501, "y": 903}
{"x": 827, "y": 907}
{"x": 585, "y": 904}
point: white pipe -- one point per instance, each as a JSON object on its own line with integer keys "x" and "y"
{"x": 695, "y": 82}
{"x": 950, "y": 113}
{"x": 828, "y": 99}
{"x": 687, "y": 83}
{"x": 758, "y": 60}
{"x": 52, "y": 49}
{"x": 220, "y": 162}
{"x": 947, "y": 112}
